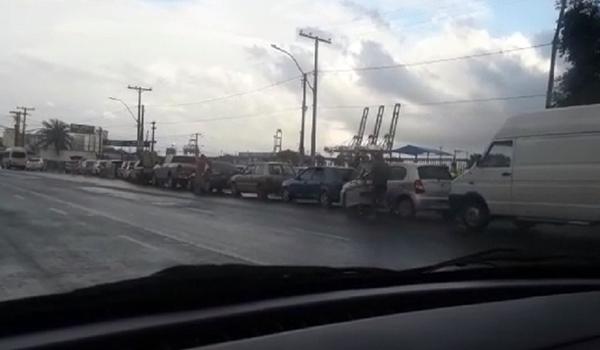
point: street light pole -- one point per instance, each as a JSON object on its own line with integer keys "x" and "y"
{"x": 313, "y": 135}
{"x": 304, "y": 82}
{"x": 304, "y": 107}
{"x": 25, "y": 110}
{"x": 126, "y": 106}
{"x": 140, "y": 129}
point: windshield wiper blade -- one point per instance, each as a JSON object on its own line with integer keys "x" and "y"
{"x": 502, "y": 257}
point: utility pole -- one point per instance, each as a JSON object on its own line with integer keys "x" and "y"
{"x": 313, "y": 135}
{"x": 277, "y": 140}
{"x": 139, "y": 90}
{"x": 197, "y": 148}
{"x": 100, "y": 143}
{"x": 25, "y": 110}
{"x": 563, "y": 5}
{"x": 152, "y": 144}
{"x": 141, "y": 128}
{"x": 304, "y": 108}
{"x": 17, "y": 116}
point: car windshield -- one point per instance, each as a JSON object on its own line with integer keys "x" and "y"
{"x": 434, "y": 173}
{"x": 141, "y": 135}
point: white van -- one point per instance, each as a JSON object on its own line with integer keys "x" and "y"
{"x": 14, "y": 157}
{"x": 540, "y": 167}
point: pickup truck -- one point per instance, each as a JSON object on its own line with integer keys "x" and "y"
{"x": 262, "y": 179}
{"x": 174, "y": 172}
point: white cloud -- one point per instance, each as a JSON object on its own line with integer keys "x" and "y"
{"x": 78, "y": 53}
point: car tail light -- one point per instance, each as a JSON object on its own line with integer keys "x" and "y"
{"x": 419, "y": 188}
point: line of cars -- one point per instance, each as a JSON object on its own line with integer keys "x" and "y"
{"x": 411, "y": 187}
{"x": 540, "y": 167}
{"x": 17, "y": 158}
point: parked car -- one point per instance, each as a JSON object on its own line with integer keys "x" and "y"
{"x": 174, "y": 172}
{"x": 87, "y": 167}
{"x": 14, "y": 158}
{"x": 139, "y": 174}
{"x": 34, "y": 164}
{"x": 123, "y": 170}
{"x": 320, "y": 183}
{"x": 215, "y": 179}
{"x": 73, "y": 165}
{"x": 100, "y": 168}
{"x": 262, "y": 179}
{"x": 540, "y": 167}
{"x": 411, "y": 188}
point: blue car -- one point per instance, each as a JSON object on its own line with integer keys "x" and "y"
{"x": 320, "y": 183}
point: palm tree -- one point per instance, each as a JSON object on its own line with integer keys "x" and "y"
{"x": 56, "y": 133}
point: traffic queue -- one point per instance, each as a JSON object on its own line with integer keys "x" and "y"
{"x": 536, "y": 165}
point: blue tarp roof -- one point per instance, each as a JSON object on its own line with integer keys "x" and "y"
{"x": 417, "y": 150}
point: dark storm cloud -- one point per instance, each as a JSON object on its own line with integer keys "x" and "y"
{"x": 364, "y": 12}
{"x": 506, "y": 76}
{"x": 399, "y": 83}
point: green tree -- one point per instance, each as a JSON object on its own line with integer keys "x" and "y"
{"x": 55, "y": 134}
{"x": 579, "y": 46}
{"x": 289, "y": 156}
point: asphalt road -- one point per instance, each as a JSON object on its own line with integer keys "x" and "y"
{"x": 61, "y": 232}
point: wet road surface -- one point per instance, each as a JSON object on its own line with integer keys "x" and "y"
{"x": 61, "y": 232}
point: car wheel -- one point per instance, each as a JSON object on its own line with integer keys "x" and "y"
{"x": 234, "y": 190}
{"x": 171, "y": 183}
{"x": 263, "y": 195}
{"x": 325, "y": 200}
{"x": 182, "y": 184}
{"x": 286, "y": 196}
{"x": 475, "y": 215}
{"x": 404, "y": 208}
{"x": 206, "y": 188}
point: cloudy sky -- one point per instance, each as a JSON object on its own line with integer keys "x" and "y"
{"x": 212, "y": 70}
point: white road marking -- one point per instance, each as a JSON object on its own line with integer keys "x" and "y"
{"x": 58, "y": 211}
{"x": 145, "y": 245}
{"x": 148, "y": 229}
{"x": 18, "y": 196}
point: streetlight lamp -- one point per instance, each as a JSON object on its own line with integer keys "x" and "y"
{"x": 126, "y": 106}
{"x": 304, "y": 84}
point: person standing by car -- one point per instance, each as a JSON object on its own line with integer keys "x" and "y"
{"x": 380, "y": 173}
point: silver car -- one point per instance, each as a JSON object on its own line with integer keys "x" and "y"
{"x": 411, "y": 188}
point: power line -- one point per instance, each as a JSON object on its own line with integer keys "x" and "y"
{"x": 434, "y": 61}
{"x": 478, "y": 100}
{"x": 446, "y": 102}
{"x": 215, "y": 119}
{"x": 237, "y": 94}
